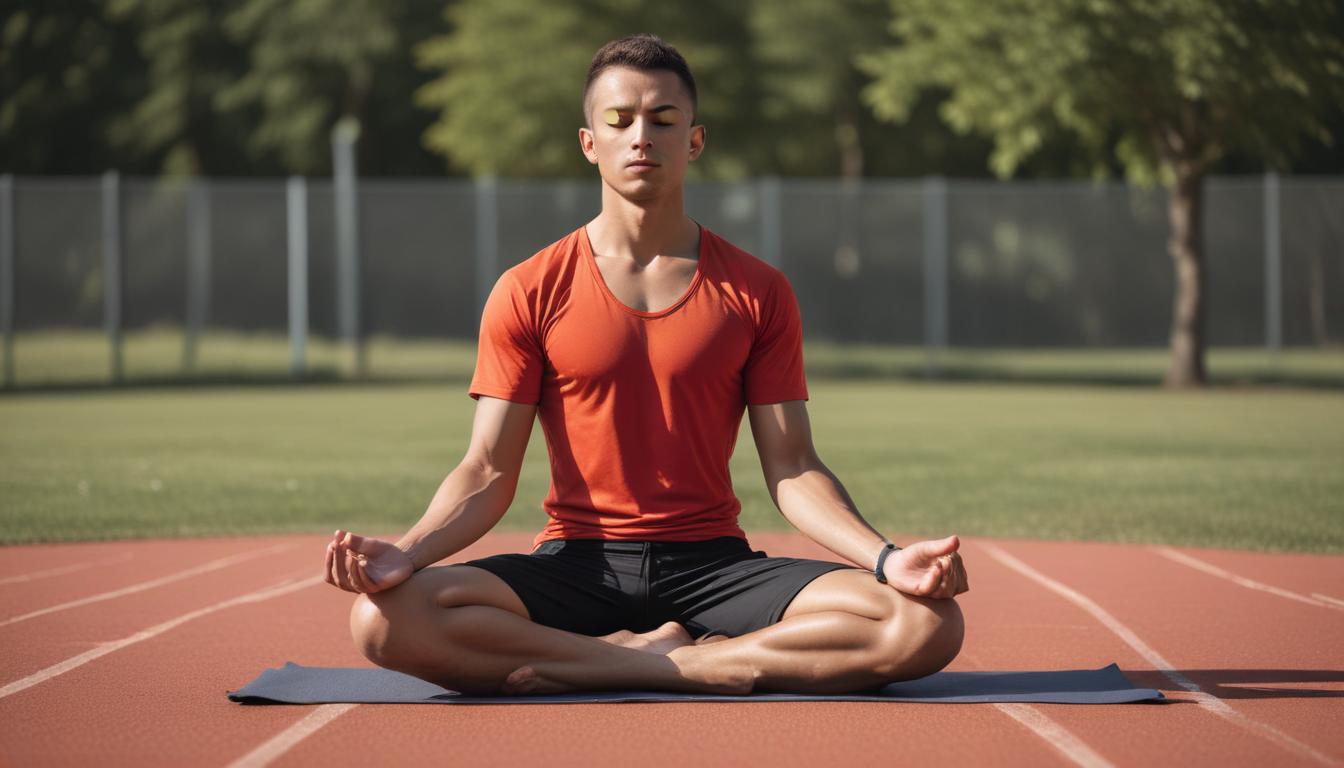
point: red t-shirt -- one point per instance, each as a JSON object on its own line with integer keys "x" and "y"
{"x": 640, "y": 410}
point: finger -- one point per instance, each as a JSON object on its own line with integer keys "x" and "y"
{"x": 334, "y": 572}
{"x": 343, "y": 569}
{"x": 326, "y": 568}
{"x": 931, "y": 579}
{"x": 359, "y": 578}
{"x": 351, "y": 566}
{"x": 963, "y": 584}
{"x": 945, "y": 584}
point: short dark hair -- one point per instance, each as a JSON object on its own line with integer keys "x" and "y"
{"x": 644, "y": 52}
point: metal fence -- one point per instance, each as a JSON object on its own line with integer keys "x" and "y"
{"x": 928, "y": 262}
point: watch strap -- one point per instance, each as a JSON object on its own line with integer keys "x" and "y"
{"x": 881, "y": 560}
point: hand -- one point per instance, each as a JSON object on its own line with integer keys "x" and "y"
{"x": 363, "y": 565}
{"x": 928, "y": 569}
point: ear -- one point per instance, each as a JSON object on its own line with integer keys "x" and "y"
{"x": 697, "y": 140}
{"x": 586, "y": 144}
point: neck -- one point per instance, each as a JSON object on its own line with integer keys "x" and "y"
{"x": 642, "y": 230}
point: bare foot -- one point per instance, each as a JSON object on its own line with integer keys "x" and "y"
{"x": 548, "y": 678}
{"x": 661, "y": 640}
{"x": 526, "y": 681}
{"x": 543, "y": 679}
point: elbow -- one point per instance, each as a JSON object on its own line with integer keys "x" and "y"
{"x": 780, "y": 472}
{"x": 787, "y": 468}
{"x": 485, "y": 471}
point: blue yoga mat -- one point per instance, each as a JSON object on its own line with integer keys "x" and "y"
{"x": 296, "y": 684}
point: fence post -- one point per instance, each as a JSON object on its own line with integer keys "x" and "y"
{"x": 198, "y": 269}
{"x": 296, "y": 210}
{"x": 487, "y": 239}
{"x": 1273, "y": 267}
{"x": 112, "y": 269}
{"x": 771, "y": 236}
{"x": 935, "y": 271}
{"x": 7, "y": 239}
{"x": 343, "y": 137}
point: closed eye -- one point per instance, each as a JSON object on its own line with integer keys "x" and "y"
{"x": 620, "y": 118}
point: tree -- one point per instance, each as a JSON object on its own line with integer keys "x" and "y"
{"x": 1170, "y": 86}
{"x": 806, "y": 51}
{"x": 186, "y": 62}
{"x": 512, "y": 74}
{"x": 312, "y": 62}
{"x": 54, "y": 107}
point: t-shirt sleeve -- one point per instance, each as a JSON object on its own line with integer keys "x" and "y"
{"x": 774, "y": 372}
{"x": 509, "y": 359}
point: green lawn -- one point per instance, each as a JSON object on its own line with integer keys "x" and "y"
{"x": 63, "y": 358}
{"x": 1257, "y": 469}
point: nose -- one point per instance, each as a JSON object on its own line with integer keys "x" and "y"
{"x": 641, "y": 137}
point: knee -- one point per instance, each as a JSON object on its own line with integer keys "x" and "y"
{"x": 923, "y": 637}
{"x": 371, "y": 629}
{"x": 384, "y": 625}
{"x": 405, "y": 629}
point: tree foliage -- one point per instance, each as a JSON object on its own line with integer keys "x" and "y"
{"x": 512, "y": 78}
{"x": 1172, "y": 85}
{"x": 186, "y": 63}
{"x": 243, "y": 87}
{"x": 1157, "y": 82}
{"x": 56, "y": 107}
{"x": 310, "y": 62}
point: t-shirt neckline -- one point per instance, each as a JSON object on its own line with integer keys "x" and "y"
{"x": 587, "y": 247}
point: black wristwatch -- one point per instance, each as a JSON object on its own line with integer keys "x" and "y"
{"x": 882, "y": 558}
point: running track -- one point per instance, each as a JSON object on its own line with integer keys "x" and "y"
{"x": 121, "y": 653}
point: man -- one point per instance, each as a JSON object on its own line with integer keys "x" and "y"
{"x": 639, "y": 340}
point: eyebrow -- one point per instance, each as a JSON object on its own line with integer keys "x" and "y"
{"x": 659, "y": 108}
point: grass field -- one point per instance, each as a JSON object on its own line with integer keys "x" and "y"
{"x": 1256, "y": 469}
{"x": 71, "y": 358}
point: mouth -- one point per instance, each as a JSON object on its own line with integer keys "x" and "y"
{"x": 638, "y": 164}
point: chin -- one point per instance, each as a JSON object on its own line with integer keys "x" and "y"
{"x": 638, "y": 190}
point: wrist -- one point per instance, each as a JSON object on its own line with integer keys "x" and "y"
{"x": 879, "y": 568}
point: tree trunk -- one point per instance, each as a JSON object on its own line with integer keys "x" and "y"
{"x": 1185, "y": 215}
{"x": 851, "y": 173}
{"x": 1316, "y": 299}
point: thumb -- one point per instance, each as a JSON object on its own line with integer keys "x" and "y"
{"x": 360, "y": 544}
{"x": 937, "y": 547}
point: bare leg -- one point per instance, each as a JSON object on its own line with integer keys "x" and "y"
{"x": 488, "y": 649}
{"x": 473, "y": 648}
{"x": 889, "y": 637}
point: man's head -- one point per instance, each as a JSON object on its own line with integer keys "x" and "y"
{"x": 644, "y": 52}
{"x": 639, "y": 108}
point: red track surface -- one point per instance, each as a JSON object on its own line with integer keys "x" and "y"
{"x": 1266, "y": 668}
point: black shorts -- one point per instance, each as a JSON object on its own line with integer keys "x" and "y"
{"x": 595, "y": 587}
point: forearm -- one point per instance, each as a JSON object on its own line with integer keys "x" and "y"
{"x": 470, "y": 501}
{"x": 812, "y": 498}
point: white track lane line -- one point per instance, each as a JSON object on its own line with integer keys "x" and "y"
{"x": 275, "y": 590}
{"x": 1055, "y": 735}
{"x": 1213, "y": 570}
{"x": 1328, "y": 599}
{"x": 213, "y": 565}
{"x": 282, "y": 742}
{"x": 1207, "y": 701}
{"x": 64, "y": 569}
{"x": 1049, "y": 731}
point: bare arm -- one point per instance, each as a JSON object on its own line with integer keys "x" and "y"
{"x": 474, "y": 497}
{"x": 469, "y": 502}
{"x": 814, "y": 501}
